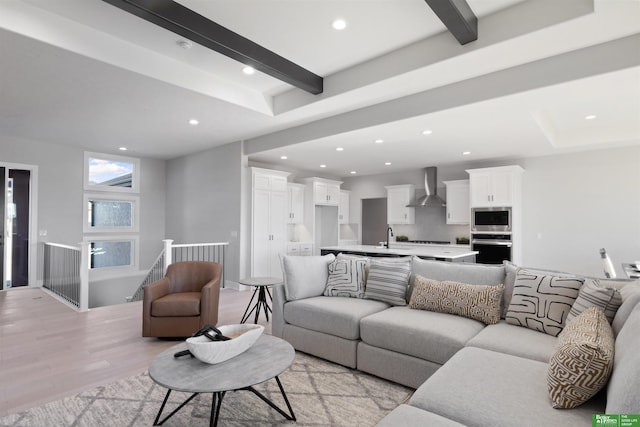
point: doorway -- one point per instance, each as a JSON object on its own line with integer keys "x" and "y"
{"x": 16, "y": 226}
{"x": 374, "y": 221}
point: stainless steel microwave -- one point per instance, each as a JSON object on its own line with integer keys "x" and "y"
{"x": 491, "y": 219}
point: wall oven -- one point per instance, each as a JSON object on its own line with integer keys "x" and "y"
{"x": 492, "y": 248}
{"x": 491, "y": 219}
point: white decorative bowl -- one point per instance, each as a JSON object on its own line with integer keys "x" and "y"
{"x": 242, "y": 337}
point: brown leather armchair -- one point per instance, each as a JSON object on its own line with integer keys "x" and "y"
{"x": 183, "y": 301}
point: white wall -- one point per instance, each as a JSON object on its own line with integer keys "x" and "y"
{"x": 573, "y": 204}
{"x": 60, "y": 201}
{"x": 204, "y": 201}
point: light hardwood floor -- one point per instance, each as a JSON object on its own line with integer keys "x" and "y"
{"x": 49, "y": 351}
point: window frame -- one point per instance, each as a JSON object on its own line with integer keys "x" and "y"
{"x": 135, "y": 174}
{"x": 135, "y": 213}
{"x": 134, "y": 239}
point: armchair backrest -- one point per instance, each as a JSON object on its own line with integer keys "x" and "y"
{"x": 191, "y": 276}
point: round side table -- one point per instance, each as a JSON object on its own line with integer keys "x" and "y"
{"x": 261, "y": 287}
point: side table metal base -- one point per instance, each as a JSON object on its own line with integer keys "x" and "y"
{"x": 261, "y": 303}
{"x": 216, "y": 403}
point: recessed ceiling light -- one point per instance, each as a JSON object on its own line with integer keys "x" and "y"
{"x": 193, "y": 122}
{"x": 323, "y": 166}
{"x": 284, "y": 157}
{"x": 122, "y": 148}
{"x": 590, "y": 117}
{"x": 339, "y": 24}
{"x": 466, "y": 153}
{"x": 248, "y": 70}
{"x": 387, "y": 163}
{"x": 339, "y": 149}
{"x": 427, "y": 132}
{"x": 353, "y": 172}
{"x": 379, "y": 141}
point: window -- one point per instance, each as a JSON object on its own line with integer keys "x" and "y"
{"x": 110, "y": 213}
{"x": 112, "y": 252}
{"x": 103, "y": 172}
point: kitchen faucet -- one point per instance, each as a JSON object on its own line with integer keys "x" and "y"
{"x": 389, "y": 230}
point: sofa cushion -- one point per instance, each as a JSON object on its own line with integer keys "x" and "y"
{"x": 623, "y": 393}
{"x": 484, "y": 388}
{"x": 410, "y": 416}
{"x": 346, "y": 277}
{"x": 596, "y": 294}
{"x": 542, "y": 302}
{"x": 427, "y": 335}
{"x": 509, "y": 339}
{"x": 582, "y": 362}
{"x": 305, "y": 276}
{"x": 479, "y": 302}
{"x": 339, "y": 316}
{"x": 388, "y": 280}
{"x": 180, "y": 304}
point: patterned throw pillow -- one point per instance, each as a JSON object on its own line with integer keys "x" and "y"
{"x": 542, "y": 302}
{"x": 387, "y": 281}
{"x": 346, "y": 277}
{"x": 479, "y": 302}
{"x": 582, "y": 361}
{"x": 594, "y": 294}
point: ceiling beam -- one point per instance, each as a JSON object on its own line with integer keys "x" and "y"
{"x": 181, "y": 20}
{"x": 458, "y": 17}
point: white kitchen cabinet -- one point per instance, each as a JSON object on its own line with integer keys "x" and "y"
{"x": 269, "y": 222}
{"x": 326, "y": 192}
{"x": 458, "y": 206}
{"x": 343, "y": 207}
{"x": 295, "y": 203}
{"x": 302, "y": 249}
{"x": 398, "y": 197}
{"x": 499, "y": 186}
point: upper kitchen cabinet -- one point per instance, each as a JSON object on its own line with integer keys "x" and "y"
{"x": 326, "y": 192}
{"x": 296, "y": 203}
{"x": 499, "y": 186}
{"x": 343, "y": 207}
{"x": 458, "y": 209}
{"x": 398, "y": 197}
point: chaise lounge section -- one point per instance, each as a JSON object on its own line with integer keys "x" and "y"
{"x": 465, "y": 372}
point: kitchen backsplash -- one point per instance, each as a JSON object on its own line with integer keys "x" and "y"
{"x": 431, "y": 224}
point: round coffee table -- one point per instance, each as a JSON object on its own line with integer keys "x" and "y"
{"x": 266, "y": 359}
{"x": 261, "y": 286}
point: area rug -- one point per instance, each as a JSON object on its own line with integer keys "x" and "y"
{"x": 321, "y": 394}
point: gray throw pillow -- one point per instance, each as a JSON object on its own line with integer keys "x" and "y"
{"x": 595, "y": 294}
{"x": 388, "y": 280}
{"x": 542, "y": 302}
{"x": 346, "y": 277}
{"x": 305, "y": 276}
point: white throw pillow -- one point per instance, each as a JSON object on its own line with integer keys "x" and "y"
{"x": 305, "y": 276}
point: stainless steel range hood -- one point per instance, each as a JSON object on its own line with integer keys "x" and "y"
{"x": 431, "y": 199}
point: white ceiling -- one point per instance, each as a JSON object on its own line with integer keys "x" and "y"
{"x": 85, "y": 73}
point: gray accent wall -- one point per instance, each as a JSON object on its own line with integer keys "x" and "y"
{"x": 205, "y": 201}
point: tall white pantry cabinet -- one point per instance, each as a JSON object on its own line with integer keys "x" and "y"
{"x": 269, "y": 210}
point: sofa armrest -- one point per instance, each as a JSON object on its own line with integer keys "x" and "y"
{"x": 279, "y": 299}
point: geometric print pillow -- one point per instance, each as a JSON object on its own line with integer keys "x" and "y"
{"x": 542, "y": 302}
{"x": 478, "y": 302}
{"x": 594, "y": 294}
{"x": 582, "y": 360}
{"x": 346, "y": 277}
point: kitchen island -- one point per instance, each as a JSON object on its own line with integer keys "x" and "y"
{"x": 437, "y": 252}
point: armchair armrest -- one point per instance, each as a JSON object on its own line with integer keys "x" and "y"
{"x": 209, "y": 301}
{"x": 150, "y": 293}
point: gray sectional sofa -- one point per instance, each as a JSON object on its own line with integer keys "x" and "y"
{"x": 464, "y": 372}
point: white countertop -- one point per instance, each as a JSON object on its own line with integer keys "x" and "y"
{"x": 431, "y": 251}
